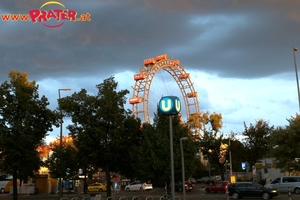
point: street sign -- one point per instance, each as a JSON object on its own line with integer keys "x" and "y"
{"x": 170, "y": 105}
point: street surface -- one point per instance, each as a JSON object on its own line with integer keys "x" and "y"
{"x": 197, "y": 194}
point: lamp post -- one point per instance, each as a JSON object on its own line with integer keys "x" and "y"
{"x": 230, "y": 160}
{"x": 296, "y": 70}
{"x": 60, "y": 139}
{"x": 182, "y": 163}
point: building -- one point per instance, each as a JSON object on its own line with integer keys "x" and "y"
{"x": 266, "y": 169}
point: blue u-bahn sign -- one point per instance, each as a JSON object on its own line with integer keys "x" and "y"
{"x": 170, "y": 105}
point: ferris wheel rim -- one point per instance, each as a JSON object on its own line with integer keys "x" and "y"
{"x": 142, "y": 87}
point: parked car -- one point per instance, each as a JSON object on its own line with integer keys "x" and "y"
{"x": 248, "y": 189}
{"x": 192, "y": 180}
{"x": 138, "y": 185}
{"x": 97, "y": 187}
{"x": 213, "y": 179}
{"x": 202, "y": 179}
{"x": 187, "y": 185}
{"x": 285, "y": 183}
{"x": 219, "y": 186}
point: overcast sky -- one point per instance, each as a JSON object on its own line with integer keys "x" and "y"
{"x": 239, "y": 53}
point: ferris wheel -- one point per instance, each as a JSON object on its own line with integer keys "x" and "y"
{"x": 141, "y": 90}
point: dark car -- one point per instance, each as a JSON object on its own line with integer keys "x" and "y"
{"x": 188, "y": 186}
{"x": 219, "y": 186}
{"x": 248, "y": 189}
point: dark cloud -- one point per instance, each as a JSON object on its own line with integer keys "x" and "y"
{"x": 233, "y": 39}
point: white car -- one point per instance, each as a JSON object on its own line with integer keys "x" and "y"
{"x": 138, "y": 186}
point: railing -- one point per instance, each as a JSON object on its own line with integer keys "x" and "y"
{"x": 164, "y": 197}
{"x": 75, "y": 198}
{"x": 168, "y": 197}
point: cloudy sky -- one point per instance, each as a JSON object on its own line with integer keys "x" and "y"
{"x": 239, "y": 53}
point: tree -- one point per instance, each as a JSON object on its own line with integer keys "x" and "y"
{"x": 285, "y": 144}
{"x": 256, "y": 141}
{"x": 131, "y": 142}
{"x": 205, "y": 122}
{"x": 101, "y": 119}
{"x": 24, "y": 123}
{"x": 211, "y": 142}
{"x": 201, "y": 170}
{"x": 63, "y": 162}
{"x": 215, "y": 150}
{"x": 154, "y": 152}
{"x": 237, "y": 154}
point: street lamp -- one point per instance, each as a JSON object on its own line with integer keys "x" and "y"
{"x": 61, "y": 121}
{"x": 296, "y": 70}
{"x": 60, "y": 138}
{"x": 182, "y": 163}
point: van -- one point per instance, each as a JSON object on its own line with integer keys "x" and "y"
{"x": 285, "y": 184}
{"x": 5, "y": 182}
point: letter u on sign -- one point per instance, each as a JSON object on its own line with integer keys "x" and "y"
{"x": 166, "y": 105}
{"x": 170, "y": 105}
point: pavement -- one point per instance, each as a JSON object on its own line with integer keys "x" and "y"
{"x": 70, "y": 196}
{"x": 154, "y": 194}
{"x": 45, "y": 196}
{"x": 87, "y": 196}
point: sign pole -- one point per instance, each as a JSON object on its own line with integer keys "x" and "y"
{"x": 170, "y": 105}
{"x": 172, "y": 158}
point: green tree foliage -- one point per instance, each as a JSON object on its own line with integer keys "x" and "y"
{"x": 285, "y": 144}
{"x": 129, "y": 148}
{"x": 202, "y": 170}
{"x": 154, "y": 161}
{"x": 256, "y": 141}
{"x": 83, "y": 142}
{"x": 63, "y": 162}
{"x": 24, "y": 123}
{"x": 99, "y": 121}
{"x": 237, "y": 154}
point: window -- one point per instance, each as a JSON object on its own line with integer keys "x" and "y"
{"x": 277, "y": 180}
{"x": 243, "y": 185}
{"x": 5, "y": 177}
{"x": 289, "y": 179}
{"x": 256, "y": 185}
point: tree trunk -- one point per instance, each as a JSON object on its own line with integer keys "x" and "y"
{"x": 84, "y": 182}
{"x": 15, "y": 189}
{"x": 108, "y": 182}
{"x": 221, "y": 169}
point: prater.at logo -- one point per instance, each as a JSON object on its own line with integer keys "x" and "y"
{"x": 55, "y": 17}
{"x": 170, "y": 105}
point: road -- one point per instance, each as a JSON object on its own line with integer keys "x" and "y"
{"x": 197, "y": 194}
